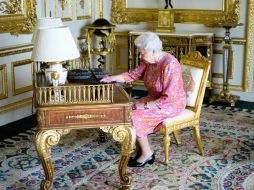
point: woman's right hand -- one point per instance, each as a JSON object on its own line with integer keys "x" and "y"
{"x": 107, "y": 79}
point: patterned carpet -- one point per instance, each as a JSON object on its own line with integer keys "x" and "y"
{"x": 81, "y": 163}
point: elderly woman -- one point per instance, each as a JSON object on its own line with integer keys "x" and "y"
{"x": 166, "y": 98}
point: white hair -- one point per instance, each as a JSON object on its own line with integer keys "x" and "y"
{"x": 149, "y": 41}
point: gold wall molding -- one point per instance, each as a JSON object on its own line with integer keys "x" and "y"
{"x": 23, "y": 48}
{"x": 84, "y": 5}
{"x": 101, "y": 10}
{"x": 248, "y": 46}
{"x": 16, "y": 91}
{"x": 120, "y": 36}
{"x": 229, "y": 14}
{"x": 231, "y": 87}
{"x": 234, "y": 41}
{"x": 15, "y": 52}
{"x": 118, "y": 57}
{"x": 15, "y": 105}
{"x": 3, "y": 74}
{"x": 61, "y": 6}
{"x": 18, "y": 17}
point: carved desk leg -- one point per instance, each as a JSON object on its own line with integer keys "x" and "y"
{"x": 127, "y": 136}
{"x": 44, "y": 140}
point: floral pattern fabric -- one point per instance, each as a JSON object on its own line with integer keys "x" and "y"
{"x": 164, "y": 83}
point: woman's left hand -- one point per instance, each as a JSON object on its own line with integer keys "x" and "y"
{"x": 142, "y": 106}
{"x": 138, "y": 106}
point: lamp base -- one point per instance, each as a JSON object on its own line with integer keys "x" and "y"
{"x": 232, "y": 99}
{"x": 56, "y": 99}
{"x": 60, "y": 70}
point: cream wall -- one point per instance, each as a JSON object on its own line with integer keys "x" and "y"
{"x": 15, "y": 52}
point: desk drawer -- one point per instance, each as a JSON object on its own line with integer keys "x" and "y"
{"x": 91, "y": 117}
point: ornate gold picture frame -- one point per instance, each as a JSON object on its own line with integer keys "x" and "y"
{"x": 16, "y": 72}
{"x": 229, "y": 14}
{"x": 17, "y": 16}
{"x": 3, "y": 79}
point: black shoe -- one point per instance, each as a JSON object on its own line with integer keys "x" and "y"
{"x": 149, "y": 160}
{"x": 166, "y": 7}
{"x": 132, "y": 159}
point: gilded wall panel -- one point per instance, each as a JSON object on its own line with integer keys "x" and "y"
{"x": 120, "y": 56}
{"x": 3, "y": 82}
{"x": 22, "y": 76}
{"x": 15, "y": 105}
{"x": 248, "y": 46}
{"x": 59, "y": 8}
{"x": 83, "y": 9}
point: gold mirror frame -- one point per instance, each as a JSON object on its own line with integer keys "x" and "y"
{"x": 19, "y": 16}
{"x": 230, "y": 14}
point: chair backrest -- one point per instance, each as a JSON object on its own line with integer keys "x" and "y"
{"x": 195, "y": 69}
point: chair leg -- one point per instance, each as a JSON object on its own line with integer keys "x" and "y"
{"x": 166, "y": 140}
{"x": 176, "y": 136}
{"x": 196, "y": 132}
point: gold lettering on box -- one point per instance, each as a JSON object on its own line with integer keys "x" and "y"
{"x": 84, "y": 116}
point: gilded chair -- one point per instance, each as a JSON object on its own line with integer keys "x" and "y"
{"x": 195, "y": 69}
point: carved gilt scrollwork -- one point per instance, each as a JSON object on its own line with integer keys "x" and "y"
{"x": 48, "y": 138}
{"x": 118, "y": 9}
{"x": 11, "y": 7}
{"x": 121, "y": 14}
{"x": 44, "y": 140}
{"x": 62, "y": 3}
{"x": 233, "y": 15}
{"x": 124, "y": 134}
{"x": 40, "y": 118}
{"x": 166, "y": 40}
{"x": 17, "y": 16}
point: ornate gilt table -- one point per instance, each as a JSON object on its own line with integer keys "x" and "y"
{"x": 63, "y": 108}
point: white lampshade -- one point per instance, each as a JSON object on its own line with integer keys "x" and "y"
{"x": 54, "y": 45}
{"x": 47, "y": 22}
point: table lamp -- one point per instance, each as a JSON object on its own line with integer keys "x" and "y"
{"x": 54, "y": 46}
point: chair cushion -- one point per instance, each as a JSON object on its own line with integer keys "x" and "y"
{"x": 192, "y": 79}
{"x": 182, "y": 117}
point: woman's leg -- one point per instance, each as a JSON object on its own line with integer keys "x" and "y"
{"x": 144, "y": 146}
{"x": 137, "y": 151}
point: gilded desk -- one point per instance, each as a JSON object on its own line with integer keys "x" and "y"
{"x": 176, "y": 43}
{"x": 64, "y": 108}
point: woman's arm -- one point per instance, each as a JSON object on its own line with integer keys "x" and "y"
{"x": 163, "y": 100}
{"x": 114, "y": 78}
{"x": 132, "y": 75}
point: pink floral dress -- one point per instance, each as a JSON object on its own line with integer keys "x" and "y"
{"x": 164, "y": 83}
